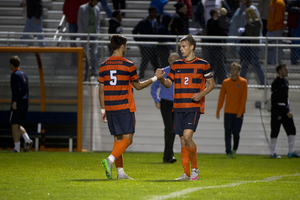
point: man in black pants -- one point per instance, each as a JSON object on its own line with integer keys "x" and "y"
{"x": 165, "y": 105}
{"x": 281, "y": 113}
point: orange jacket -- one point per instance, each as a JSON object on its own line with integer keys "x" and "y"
{"x": 236, "y": 96}
{"x": 276, "y": 15}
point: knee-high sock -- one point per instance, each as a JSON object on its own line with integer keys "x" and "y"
{"x": 193, "y": 156}
{"x": 119, "y": 160}
{"x": 273, "y": 145}
{"x": 120, "y": 148}
{"x": 291, "y": 139}
{"x": 185, "y": 161}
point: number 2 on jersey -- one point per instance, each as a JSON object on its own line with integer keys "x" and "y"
{"x": 186, "y": 80}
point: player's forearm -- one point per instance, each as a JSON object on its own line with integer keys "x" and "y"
{"x": 165, "y": 83}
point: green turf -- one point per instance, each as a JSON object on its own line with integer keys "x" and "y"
{"x": 56, "y": 175}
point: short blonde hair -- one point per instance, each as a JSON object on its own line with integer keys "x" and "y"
{"x": 237, "y": 65}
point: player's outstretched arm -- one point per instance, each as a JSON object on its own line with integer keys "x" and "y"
{"x": 141, "y": 85}
{"x": 165, "y": 82}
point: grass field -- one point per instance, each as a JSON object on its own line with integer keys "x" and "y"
{"x": 58, "y": 175}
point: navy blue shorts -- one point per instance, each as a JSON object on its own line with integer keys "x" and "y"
{"x": 185, "y": 120}
{"x": 121, "y": 124}
{"x": 17, "y": 116}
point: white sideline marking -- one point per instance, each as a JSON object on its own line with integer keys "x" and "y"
{"x": 190, "y": 190}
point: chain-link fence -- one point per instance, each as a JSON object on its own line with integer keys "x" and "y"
{"x": 257, "y": 56}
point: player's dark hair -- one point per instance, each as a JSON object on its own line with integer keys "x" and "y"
{"x": 237, "y": 65}
{"x": 279, "y": 67}
{"x": 117, "y": 40}
{"x": 116, "y": 13}
{"x": 14, "y": 60}
{"x": 190, "y": 39}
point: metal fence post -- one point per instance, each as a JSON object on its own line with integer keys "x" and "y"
{"x": 266, "y": 68}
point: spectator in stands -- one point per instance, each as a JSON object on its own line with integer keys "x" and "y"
{"x": 263, "y": 8}
{"x": 147, "y": 25}
{"x": 249, "y": 55}
{"x": 235, "y": 89}
{"x": 233, "y": 5}
{"x": 281, "y": 113}
{"x": 34, "y": 21}
{"x": 118, "y": 5}
{"x": 89, "y": 22}
{"x": 293, "y": 23}
{"x": 164, "y": 102}
{"x": 23, "y": 5}
{"x": 180, "y": 25}
{"x": 163, "y": 51}
{"x": 199, "y": 16}
{"x": 275, "y": 28}
{"x": 215, "y": 54}
{"x": 239, "y": 18}
{"x": 115, "y": 26}
{"x": 103, "y": 4}
{"x": 159, "y": 5}
{"x": 19, "y": 105}
{"x": 188, "y": 3}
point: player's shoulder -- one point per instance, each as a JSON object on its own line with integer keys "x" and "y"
{"x": 243, "y": 80}
{"x": 200, "y": 61}
{"x": 128, "y": 62}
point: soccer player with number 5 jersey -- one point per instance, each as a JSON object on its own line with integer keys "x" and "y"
{"x": 189, "y": 76}
{"x": 117, "y": 77}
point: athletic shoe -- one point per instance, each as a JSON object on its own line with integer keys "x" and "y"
{"x": 108, "y": 167}
{"x": 123, "y": 176}
{"x": 195, "y": 174}
{"x": 293, "y": 155}
{"x": 233, "y": 153}
{"x": 275, "y": 155}
{"x": 27, "y": 146}
{"x": 14, "y": 151}
{"x": 171, "y": 160}
{"x": 229, "y": 155}
{"x": 183, "y": 177}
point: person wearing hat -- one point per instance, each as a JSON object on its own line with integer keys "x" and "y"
{"x": 180, "y": 25}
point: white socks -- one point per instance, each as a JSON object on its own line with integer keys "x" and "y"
{"x": 272, "y": 145}
{"x": 17, "y": 145}
{"x": 111, "y": 158}
{"x": 120, "y": 170}
{"x": 26, "y": 137}
{"x": 291, "y": 139}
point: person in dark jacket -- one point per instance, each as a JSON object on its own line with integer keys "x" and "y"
{"x": 281, "y": 113}
{"x": 19, "y": 105}
{"x": 147, "y": 26}
{"x": 293, "y": 9}
{"x": 249, "y": 55}
{"x": 34, "y": 21}
{"x": 115, "y": 26}
{"x": 180, "y": 25}
{"x": 163, "y": 51}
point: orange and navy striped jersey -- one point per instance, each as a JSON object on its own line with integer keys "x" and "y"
{"x": 117, "y": 73}
{"x": 189, "y": 78}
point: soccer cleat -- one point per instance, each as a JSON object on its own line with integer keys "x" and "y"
{"x": 275, "y": 155}
{"x": 293, "y": 155}
{"x": 183, "y": 177}
{"x": 233, "y": 153}
{"x": 14, "y": 151}
{"x": 123, "y": 176}
{"x": 229, "y": 155}
{"x": 108, "y": 167}
{"x": 195, "y": 174}
{"x": 27, "y": 146}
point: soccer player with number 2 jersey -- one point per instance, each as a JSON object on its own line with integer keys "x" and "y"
{"x": 117, "y": 77}
{"x": 189, "y": 75}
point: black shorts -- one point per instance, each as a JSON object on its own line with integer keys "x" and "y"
{"x": 121, "y": 124}
{"x": 185, "y": 120}
{"x": 17, "y": 116}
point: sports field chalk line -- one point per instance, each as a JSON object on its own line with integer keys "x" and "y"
{"x": 190, "y": 190}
